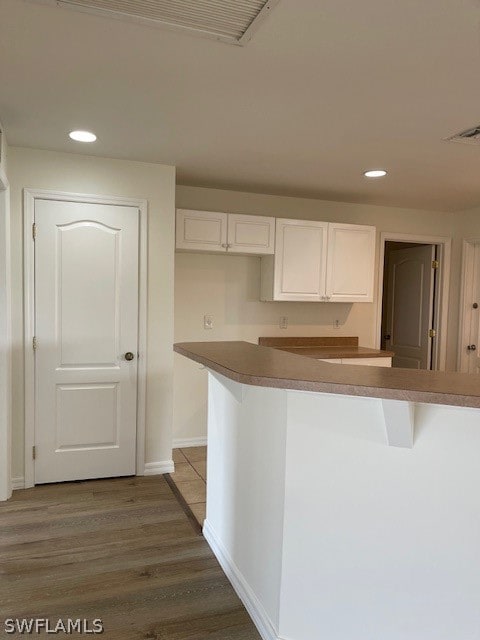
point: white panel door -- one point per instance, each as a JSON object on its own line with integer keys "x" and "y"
{"x": 300, "y": 260}
{"x": 201, "y": 230}
{"x": 473, "y": 338}
{"x": 351, "y": 263}
{"x": 86, "y": 327}
{"x": 251, "y": 234}
{"x": 410, "y": 306}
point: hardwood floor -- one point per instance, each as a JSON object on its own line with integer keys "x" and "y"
{"x": 122, "y": 550}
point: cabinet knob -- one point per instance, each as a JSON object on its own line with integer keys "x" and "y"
{"x": 472, "y": 347}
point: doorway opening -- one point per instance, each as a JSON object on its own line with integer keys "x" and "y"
{"x": 413, "y": 300}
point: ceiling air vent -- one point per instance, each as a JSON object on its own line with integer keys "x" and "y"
{"x": 232, "y": 21}
{"x": 470, "y": 136}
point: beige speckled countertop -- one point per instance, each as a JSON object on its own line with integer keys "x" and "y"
{"x": 324, "y": 347}
{"x": 268, "y": 367}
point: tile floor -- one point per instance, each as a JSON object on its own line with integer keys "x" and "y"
{"x": 190, "y": 478}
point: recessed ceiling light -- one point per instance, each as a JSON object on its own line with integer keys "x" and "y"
{"x": 375, "y": 173}
{"x": 82, "y": 136}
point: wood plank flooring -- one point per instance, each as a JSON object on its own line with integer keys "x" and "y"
{"x": 122, "y": 550}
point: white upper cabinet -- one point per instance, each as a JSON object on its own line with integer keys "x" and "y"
{"x": 3, "y": 150}
{"x": 201, "y": 230}
{"x": 320, "y": 262}
{"x": 221, "y": 232}
{"x": 350, "y": 263}
{"x": 250, "y": 234}
{"x": 298, "y": 269}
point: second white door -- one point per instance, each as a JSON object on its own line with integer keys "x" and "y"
{"x": 86, "y": 326}
{"x": 410, "y": 306}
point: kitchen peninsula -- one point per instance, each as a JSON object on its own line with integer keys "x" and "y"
{"x": 342, "y": 502}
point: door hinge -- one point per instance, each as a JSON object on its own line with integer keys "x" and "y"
{"x": 435, "y": 264}
{"x": 432, "y": 333}
{"x": 34, "y": 343}
{"x": 34, "y": 231}
{"x": 34, "y": 452}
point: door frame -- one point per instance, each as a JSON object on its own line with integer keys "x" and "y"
{"x": 6, "y": 341}
{"x": 29, "y": 197}
{"x": 439, "y": 351}
{"x": 468, "y": 248}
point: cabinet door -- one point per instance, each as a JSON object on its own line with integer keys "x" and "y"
{"x": 351, "y": 263}
{"x": 251, "y": 234}
{"x": 300, "y": 260}
{"x": 201, "y": 230}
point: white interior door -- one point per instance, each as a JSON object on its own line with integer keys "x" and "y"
{"x": 473, "y": 328}
{"x": 86, "y": 327}
{"x": 5, "y": 346}
{"x": 410, "y": 306}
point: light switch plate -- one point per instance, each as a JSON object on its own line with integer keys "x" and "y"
{"x": 208, "y": 322}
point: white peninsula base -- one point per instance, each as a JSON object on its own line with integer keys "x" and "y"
{"x": 327, "y": 532}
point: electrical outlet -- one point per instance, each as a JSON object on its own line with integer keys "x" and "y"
{"x": 283, "y": 322}
{"x": 208, "y": 322}
{"x": 336, "y": 324}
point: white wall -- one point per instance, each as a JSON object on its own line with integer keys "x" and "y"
{"x": 38, "y": 169}
{"x": 227, "y": 287}
{"x": 245, "y": 500}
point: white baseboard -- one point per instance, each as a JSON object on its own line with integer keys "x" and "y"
{"x": 180, "y": 443}
{"x": 252, "y": 604}
{"x": 18, "y": 483}
{"x": 157, "y": 468}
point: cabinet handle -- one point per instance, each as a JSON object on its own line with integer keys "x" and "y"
{"x": 225, "y": 246}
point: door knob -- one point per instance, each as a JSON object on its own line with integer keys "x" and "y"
{"x": 129, "y": 356}
{"x": 472, "y": 347}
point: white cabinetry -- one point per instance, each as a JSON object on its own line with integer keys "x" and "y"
{"x": 201, "y": 230}
{"x": 350, "y": 263}
{"x": 369, "y": 362}
{"x": 250, "y": 234}
{"x": 297, "y": 271}
{"x": 320, "y": 262}
{"x": 221, "y": 232}
{"x": 3, "y": 149}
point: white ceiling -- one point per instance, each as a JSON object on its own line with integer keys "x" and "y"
{"x": 326, "y": 89}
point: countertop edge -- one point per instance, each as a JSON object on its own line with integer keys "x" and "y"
{"x": 384, "y": 393}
